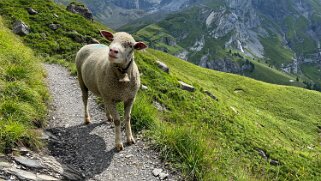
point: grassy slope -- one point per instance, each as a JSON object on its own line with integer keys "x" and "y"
{"x": 271, "y": 75}
{"x": 22, "y": 93}
{"x": 57, "y": 46}
{"x": 155, "y": 36}
{"x": 211, "y": 140}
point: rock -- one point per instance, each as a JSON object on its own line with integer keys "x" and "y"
{"x": 224, "y": 65}
{"x": 157, "y": 171}
{"x": 46, "y": 178}
{"x": 163, "y": 176}
{"x": 70, "y": 173}
{"x": 24, "y": 150}
{"x": 129, "y": 156}
{"x": 162, "y": 66}
{"x": 32, "y": 11}
{"x": 238, "y": 90}
{"x": 23, "y": 175}
{"x": 91, "y": 40}
{"x": 52, "y": 164}
{"x": 158, "y": 106}
{"x": 186, "y": 87}
{"x": 20, "y": 28}
{"x": 80, "y": 9}
{"x": 211, "y": 95}
{"x": 54, "y": 26}
{"x": 48, "y": 136}
{"x": 28, "y": 162}
{"x": 274, "y": 162}
{"x": 262, "y": 154}
{"x": 76, "y": 37}
{"x": 5, "y": 165}
{"x": 144, "y": 87}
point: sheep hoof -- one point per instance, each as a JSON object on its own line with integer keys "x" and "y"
{"x": 119, "y": 147}
{"x": 87, "y": 120}
{"x": 131, "y": 141}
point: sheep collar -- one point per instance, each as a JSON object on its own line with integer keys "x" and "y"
{"x": 124, "y": 70}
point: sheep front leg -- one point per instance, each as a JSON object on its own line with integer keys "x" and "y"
{"x": 128, "y": 108}
{"x": 111, "y": 107}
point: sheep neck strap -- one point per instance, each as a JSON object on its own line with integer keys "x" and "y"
{"x": 124, "y": 70}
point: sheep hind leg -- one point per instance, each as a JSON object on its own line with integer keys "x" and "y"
{"x": 128, "y": 108}
{"x": 84, "y": 91}
{"x": 109, "y": 117}
{"x": 111, "y": 107}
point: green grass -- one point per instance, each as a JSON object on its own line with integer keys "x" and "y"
{"x": 23, "y": 94}
{"x": 156, "y": 35}
{"x": 299, "y": 41}
{"x": 267, "y": 74}
{"x": 312, "y": 71}
{"x": 53, "y": 45}
{"x": 208, "y": 140}
{"x": 275, "y": 53}
{"x": 204, "y": 138}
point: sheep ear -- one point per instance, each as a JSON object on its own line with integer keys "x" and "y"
{"x": 140, "y": 45}
{"x": 108, "y": 35}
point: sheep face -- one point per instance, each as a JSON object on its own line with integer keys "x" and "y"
{"x": 122, "y": 46}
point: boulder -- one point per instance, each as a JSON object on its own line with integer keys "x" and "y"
{"x": 76, "y": 36}
{"x": 80, "y": 9}
{"x": 186, "y": 87}
{"x": 20, "y": 28}
{"x": 162, "y": 66}
{"x": 54, "y": 26}
{"x": 211, "y": 95}
{"x": 91, "y": 40}
{"x": 31, "y": 163}
{"x": 32, "y": 11}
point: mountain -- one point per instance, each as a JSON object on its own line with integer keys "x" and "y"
{"x": 230, "y": 128}
{"x": 283, "y": 34}
{"x": 115, "y": 13}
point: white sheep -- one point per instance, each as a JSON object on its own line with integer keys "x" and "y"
{"x": 111, "y": 73}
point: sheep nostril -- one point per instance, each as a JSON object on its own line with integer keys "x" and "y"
{"x": 116, "y": 51}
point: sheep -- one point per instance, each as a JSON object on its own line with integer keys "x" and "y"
{"x": 111, "y": 73}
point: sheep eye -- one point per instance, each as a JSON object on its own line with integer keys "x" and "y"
{"x": 128, "y": 44}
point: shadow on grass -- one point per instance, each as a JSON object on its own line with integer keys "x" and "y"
{"x": 81, "y": 154}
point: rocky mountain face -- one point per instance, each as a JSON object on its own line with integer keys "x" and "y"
{"x": 115, "y": 13}
{"x": 283, "y": 34}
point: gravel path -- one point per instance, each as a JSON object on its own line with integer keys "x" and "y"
{"x": 89, "y": 149}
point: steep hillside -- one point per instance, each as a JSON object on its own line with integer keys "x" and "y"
{"x": 251, "y": 131}
{"x": 23, "y": 94}
{"x": 57, "y": 45}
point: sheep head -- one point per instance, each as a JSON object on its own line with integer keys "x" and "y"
{"x": 122, "y": 46}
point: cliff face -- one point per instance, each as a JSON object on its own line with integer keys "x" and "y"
{"x": 285, "y": 34}
{"x": 115, "y": 13}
